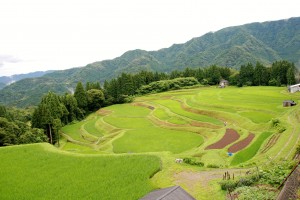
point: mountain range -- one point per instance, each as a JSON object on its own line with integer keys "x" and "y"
{"x": 232, "y": 47}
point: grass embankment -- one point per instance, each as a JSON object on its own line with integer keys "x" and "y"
{"x": 40, "y": 171}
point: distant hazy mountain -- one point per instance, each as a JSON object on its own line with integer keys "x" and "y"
{"x": 264, "y": 42}
{"x": 6, "y": 80}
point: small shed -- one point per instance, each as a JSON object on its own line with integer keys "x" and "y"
{"x": 294, "y": 88}
{"x": 288, "y": 103}
{"x": 223, "y": 83}
{"x": 170, "y": 193}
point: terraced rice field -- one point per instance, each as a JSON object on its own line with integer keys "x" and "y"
{"x": 204, "y": 123}
{"x": 193, "y": 120}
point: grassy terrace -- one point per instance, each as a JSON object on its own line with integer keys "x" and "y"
{"x": 187, "y": 121}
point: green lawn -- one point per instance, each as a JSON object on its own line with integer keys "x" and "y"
{"x": 40, "y": 171}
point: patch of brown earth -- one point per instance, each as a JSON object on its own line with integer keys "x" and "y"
{"x": 229, "y": 137}
{"x": 104, "y": 112}
{"x": 144, "y": 105}
{"x": 241, "y": 144}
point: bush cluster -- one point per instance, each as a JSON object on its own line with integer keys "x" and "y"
{"x": 249, "y": 193}
{"x": 277, "y": 124}
{"x": 212, "y": 166}
{"x": 165, "y": 85}
{"x": 244, "y": 181}
{"x": 191, "y": 161}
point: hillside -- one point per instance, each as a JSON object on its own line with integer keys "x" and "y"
{"x": 6, "y": 80}
{"x": 233, "y": 46}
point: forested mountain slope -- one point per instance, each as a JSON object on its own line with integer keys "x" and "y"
{"x": 233, "y": 46}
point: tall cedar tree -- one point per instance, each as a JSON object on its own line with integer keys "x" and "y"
{"x": 48, "y": 115}
{"x": 81, "y": 97}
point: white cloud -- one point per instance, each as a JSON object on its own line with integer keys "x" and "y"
{"x": 56, "y": 34}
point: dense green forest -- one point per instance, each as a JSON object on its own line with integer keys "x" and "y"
{"x": 54, "y": 111}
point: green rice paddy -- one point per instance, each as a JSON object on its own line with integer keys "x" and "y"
{"x": 40, "y": 171}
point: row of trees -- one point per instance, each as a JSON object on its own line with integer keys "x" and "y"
{"x": 280, "y": 73}
{"x": 122, "y": 88}
{"x": 55, "y": 111}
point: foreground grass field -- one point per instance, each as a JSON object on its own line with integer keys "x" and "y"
{"x": 170, "y": 125}
{"x": 40, "y": 171}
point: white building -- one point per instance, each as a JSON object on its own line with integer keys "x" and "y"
{"x": 294, "y": 88}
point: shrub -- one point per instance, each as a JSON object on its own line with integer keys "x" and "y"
{"x": 244, "y": 181}
{"x": 213, "y": 166}
{"x": 277, "y": 124}
{"x": 249, "y": 193}
{"x": 275, "y": 175}
{"x": 228, "y": 185}
{"x": 191, "y": 161}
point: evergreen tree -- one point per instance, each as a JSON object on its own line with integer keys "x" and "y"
{"x": 290, "y": 75}
{"x": 213, "y": 75}
{"x": 199, "y": 75}
{"x": 246, "y": 75}
{"x": 279, "y": 71}
{"x": 261, "y": 75}
{"x": 48, "y": 114}
{"x": 74, "y": 113}
{"x": 80, "y": 96}
{"x": 225, "y": 72}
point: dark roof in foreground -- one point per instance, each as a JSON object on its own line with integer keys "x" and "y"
{"x": 170, "y": 193}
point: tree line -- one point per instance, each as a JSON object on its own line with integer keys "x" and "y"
{"x": 55, "y": 111}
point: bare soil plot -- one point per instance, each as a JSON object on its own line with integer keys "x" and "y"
{"x": 241, "y": 144}
{"x": 229, "y": 137}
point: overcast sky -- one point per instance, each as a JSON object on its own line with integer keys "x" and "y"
{"x": 38, "y": 35}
